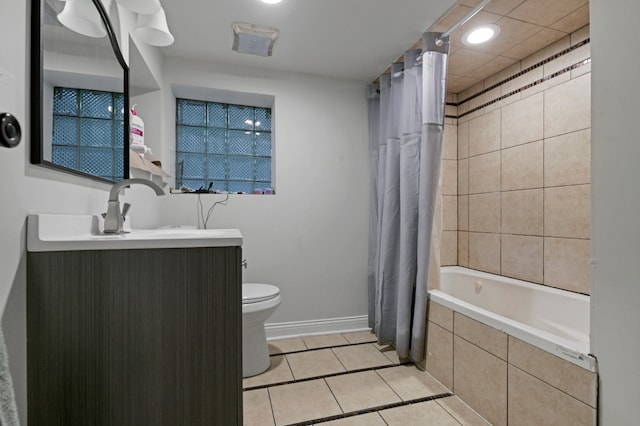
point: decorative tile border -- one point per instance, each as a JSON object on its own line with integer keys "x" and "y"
{"x": 521, "y": 73}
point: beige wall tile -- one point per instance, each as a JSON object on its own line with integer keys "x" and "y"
{"x": 522, "y": 121}
{"x": 515, "y": 97}
{"x": 461, "y": 411}
{"x": 450, "y": 144}
{"x": 449, "y": 177}
{"x": 463, "y": 176}
{"x": 547, "y": 52}
{"x": 484, "y": 173}
{"x": 582, "y": 33}
{"x": 533, "y": 402}
{"x": 584, "y": 68}
{"x": 484, "y": 252}
{"x": 568, "y": 377}
{"x": 503, "y": 75}
{"x": 522, "y": 212}
{"x": 567, "y": 159}
{"x": 449, "y": 248}
{"x": 463, "y": 249}
{"x": 439, "y": 350}
{"x": 463, "y": 140}
{"x": 451, "y": 110}
{"x": 567, "y": 211}
{"x": 463, "y": 212}
{"x": 440, "y": 315}
{"x": 522, "y": 257}
{"x": 487, "y": 338}
{"x": 449, "y": 213}
{"x": 523, "y": 80}
{"x": 566, "y": 264}
{"x": 568, "y": 59}
{"x": 547, "y": 84}
{"x": 484, "y": 133}
{"x": 484, "y": 212}
{"x": 567, "y": 107}
{"x": 480, "y": 379}
{"x": 522, "y": 167}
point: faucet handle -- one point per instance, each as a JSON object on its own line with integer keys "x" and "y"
{"x": 125, "y": 210}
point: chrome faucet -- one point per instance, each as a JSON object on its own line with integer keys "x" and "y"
{"x": 114, "y": 218}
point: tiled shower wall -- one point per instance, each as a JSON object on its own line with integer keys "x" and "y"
{"x": 520, "y": 189}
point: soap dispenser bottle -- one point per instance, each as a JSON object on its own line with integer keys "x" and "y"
{"x": 137, "y": 132}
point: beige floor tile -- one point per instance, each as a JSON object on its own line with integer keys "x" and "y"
{"x": 257, "y": 408}
{"x": 283, "y": 346}
{"x": 389, "y": 352}
{"x": 361, "y": 356}
{"x": 278, "y": 372}
{"x": 324, "y": 341}
{"x": 411, "y": 383}
{"x": 424, "y": 413}
{"x": 302, "y": 401}
{"x": 370, "y": 419}
{"x": 360, "y": 337}
{"x": 462, "y": 412}
{"x": 358, "y": 391}
{"x": 314, "y": 363}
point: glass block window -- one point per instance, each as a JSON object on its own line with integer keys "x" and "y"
{"x": 229, "y": 145}
{"x": 88, "y": 131}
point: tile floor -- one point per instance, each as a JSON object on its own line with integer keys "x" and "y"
{"x": 347, "y": 380}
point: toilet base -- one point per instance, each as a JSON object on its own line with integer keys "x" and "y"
{"x": 255, "y": 350}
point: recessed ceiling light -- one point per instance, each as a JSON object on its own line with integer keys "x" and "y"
{"x": 481, "y": 34}
{"x": 271, "y": 1}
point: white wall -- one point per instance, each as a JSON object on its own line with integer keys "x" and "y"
{"x": 310, "y": 239}
{"x": 615, "y": 224}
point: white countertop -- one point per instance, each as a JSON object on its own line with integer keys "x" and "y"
{"x": 55, "y": 232}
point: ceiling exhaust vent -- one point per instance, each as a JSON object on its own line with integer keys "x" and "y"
{"x": 253, "y": 39}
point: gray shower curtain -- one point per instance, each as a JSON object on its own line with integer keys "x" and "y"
{"x": 406, "y": 123}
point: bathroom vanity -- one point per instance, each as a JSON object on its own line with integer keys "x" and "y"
{"x": 135, "y": 329}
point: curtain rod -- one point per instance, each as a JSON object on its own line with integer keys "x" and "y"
{"x": 473, "y": 12}
{"x": 463, "y": 21}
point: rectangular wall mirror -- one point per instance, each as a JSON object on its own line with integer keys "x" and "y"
{"x": 79, "y": 90}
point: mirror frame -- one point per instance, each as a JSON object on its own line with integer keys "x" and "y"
{"x": 37, "y": 104}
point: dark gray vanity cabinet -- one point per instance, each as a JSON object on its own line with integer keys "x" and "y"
{"x": 135, "y": 337}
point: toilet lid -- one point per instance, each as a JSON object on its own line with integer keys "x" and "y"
{"x": 252, "y": 293}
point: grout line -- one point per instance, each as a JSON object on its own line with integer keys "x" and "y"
{"x": 320, "y": 348}
{"x": 372, "y": 410}
{"x": 324, "y": 376}
{"x": 273, "y": 416}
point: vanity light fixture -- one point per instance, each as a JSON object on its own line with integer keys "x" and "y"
{"x": 83, "y": 18}
{"x": 147, "y": 7}
{"x": 271, "y": 1}
{"x": 481, "y": 34}
{"x": 153, "y": 29}
{"x": 253, "y": 39}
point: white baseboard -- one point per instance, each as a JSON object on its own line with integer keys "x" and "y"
{"x": 283, "y": 330}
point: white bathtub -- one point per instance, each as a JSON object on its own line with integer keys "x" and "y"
{"x": 551, "y": 319}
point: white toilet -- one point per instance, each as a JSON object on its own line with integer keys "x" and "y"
{"x": 259, "y": 301}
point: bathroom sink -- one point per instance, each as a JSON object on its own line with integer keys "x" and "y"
{"x": 55, "y": 232}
